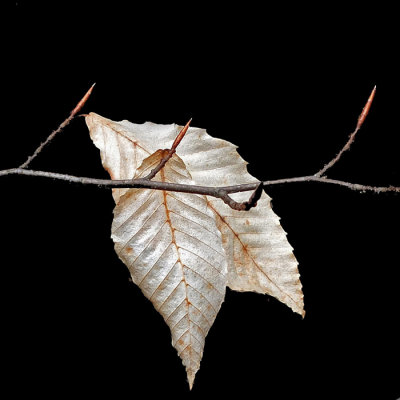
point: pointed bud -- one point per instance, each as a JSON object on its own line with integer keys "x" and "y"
{"x": 181, "y": 134}
{"x": 366, "y": 108}
{"x": 82, "y": 101}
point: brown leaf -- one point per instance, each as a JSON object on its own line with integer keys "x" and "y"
{"x": 255, "y": 248}
{"x": 173, "y": 249}
{"x": 259, "y": 256}
{"x": 121, "y": 154}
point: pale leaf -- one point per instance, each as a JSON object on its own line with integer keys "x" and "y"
{"x": 173, "y": 249}
{"x": 121, "y": 154}
{"x": 259, "y": 256}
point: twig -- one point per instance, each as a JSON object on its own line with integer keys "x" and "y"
{"x": 71, "y": 116}
{"x": 246, "y": 205}
{"x": 252, "y": 202}
{"x": 223, "y": 195}
{"x": 346, "y": 147}
{"x": 170, "y": 152}
{"x": 219, "y": 192}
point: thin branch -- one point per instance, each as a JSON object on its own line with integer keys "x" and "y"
{"x": 71, "y": 116}
{"x": 169, "y": 152}
{"x": 223, "y": 195}
{"x": 218, "y": 192}
{"x": 346, "y": 147}
{"x": 213, "y": 191}
{"x": 246, "y": 205}
{"x": 256, "y": 195}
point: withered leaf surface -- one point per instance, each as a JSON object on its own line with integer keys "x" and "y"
{"x": 259, "y": 256}
{"x": 173, "y": 249}
{"x": 121, "y": 153}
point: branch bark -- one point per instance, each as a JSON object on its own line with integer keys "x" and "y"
{"x": 352, "y": 136}
{"x": 168, "y": 152}
{"x": 63, "y": 124}
{"x": 218, "y": 192}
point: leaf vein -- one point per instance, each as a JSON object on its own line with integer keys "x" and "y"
{"x": 216, "y": 269}
{"x": 133, "y": 213}
{"x": 188, "y": 205}
{"x": 205, "y": 298}
{"x": 236, "y": 236}
{"x": 204, "y": 279}
{"x": 194, "y": 222}
{"x": 172, "y": 292}
{"x": 154, "y": 264}
{"x": 201, "y": 241}
{"x": 191, "y": 349}
{"x": 185, "y": 315}
{"x": 147, "y": 244}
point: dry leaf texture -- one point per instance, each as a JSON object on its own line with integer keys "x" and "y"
{"x": 173, "y": 249}
{"x": 259, "y": 255}
{"x": 259, "y": 258}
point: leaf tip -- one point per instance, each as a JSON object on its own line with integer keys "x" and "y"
{"x": 191, "y": 375}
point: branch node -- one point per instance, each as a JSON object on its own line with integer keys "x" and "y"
{"x": 246, "y": 205}
{"x": 256, "y": 195}
{"x": 170, "y": 152}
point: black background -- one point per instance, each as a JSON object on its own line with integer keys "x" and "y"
{"x": 286, "y": 84}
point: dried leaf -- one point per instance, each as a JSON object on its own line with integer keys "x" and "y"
{"x": 173, "y": 249}
{"x": 121, "y": 153}
{"x": 259, "y": 257}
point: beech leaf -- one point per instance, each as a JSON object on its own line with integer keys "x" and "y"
{"x": 173, "y": 249}
{"x": 259, "y": 256}
{"x": 252, "y": 246}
